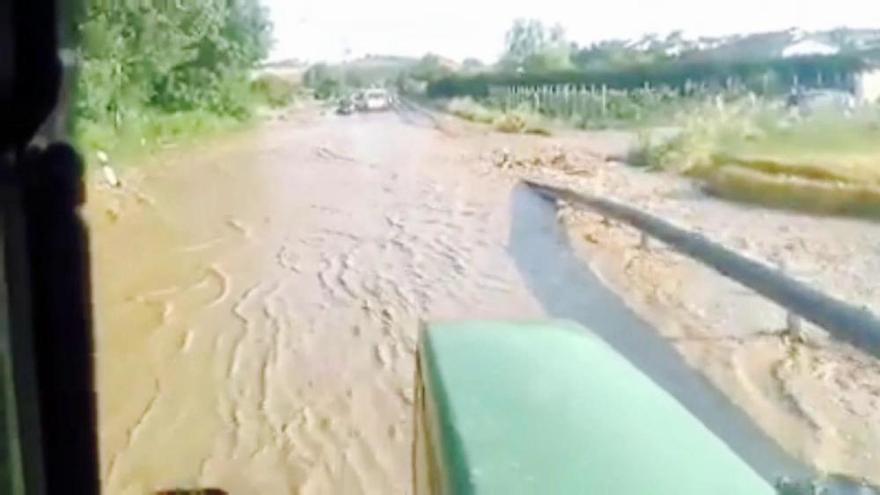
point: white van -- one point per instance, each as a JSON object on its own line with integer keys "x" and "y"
{"x": 375, "y": 99}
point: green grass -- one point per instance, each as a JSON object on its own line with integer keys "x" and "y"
{"x": 823, "y": 134}
{"x": 792, "y": 192}
{"x": 516, "y": 121}
{"x": 149, "y": 131}
{"x": 826, "y": 163}
{"x": 834, "y": 148}
{"x": 773, "y": 140}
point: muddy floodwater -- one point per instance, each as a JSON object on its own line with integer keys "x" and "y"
{"x": 258, "y": 300}
{"x": 259, "y": 297}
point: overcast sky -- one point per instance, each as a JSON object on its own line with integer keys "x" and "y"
{"x": 328, "y": 29}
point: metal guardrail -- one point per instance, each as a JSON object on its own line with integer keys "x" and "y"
{"x": 855, "y": 325}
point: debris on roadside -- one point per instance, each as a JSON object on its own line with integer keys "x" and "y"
{"x": 328, "y": 154}
{"x": 109, "y": 174}
{"x": 559, "y": 158}
{"x": 501, "y": 158}
{"x": 556, "y": 158}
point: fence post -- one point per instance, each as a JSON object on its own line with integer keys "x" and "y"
{"x": 548, "y": 100}
{"x": 604, "y": 99}
{"x": 563, "y": 101}
{"x": 586, "y": 99}
{"x": 557, "y": 93}
{"x": 565, "y": 109}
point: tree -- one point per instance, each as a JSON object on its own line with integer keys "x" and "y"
{"x": 525, "y": 38}
{"x": 168, "y": 56}
{"x": 471, "y": 64}
{"x": 619, "y": 54}
{"x": 325, "y": 80}
{"x": 531, "y": 47}
{"x": 430, "y": 68}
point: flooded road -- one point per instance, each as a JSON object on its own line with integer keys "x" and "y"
{"x": 259, "y": 301}
{"x": 259, "y": 298}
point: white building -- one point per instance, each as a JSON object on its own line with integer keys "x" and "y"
{"x": 867, "y": 85}
{"x": 808, "y": 47}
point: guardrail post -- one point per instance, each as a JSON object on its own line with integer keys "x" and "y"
{"x": 643, "y": 240}
{"x": 793, "y": 321}
{"x": 793, "y": 324}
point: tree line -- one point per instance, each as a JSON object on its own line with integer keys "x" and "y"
{"x": 761, "y": 76}
{"x": 537, "y": 55}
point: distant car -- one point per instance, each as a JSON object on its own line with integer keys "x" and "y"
{"x": 374, "y": 100}
{"x": 345, "y": 107}
{"x": 357, "y": 100}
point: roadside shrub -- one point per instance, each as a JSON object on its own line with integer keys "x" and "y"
{"x": 534, "y": 123}
{"x": 469, "y": 109}
{"x": 644, "y": 152}
{"x": 509, "y": 122}
{"x": 699, "y": 139}
{"x": 274, "y": 91}
{"x": 147, "y": 130}
{"x": 689, "y": 149}
{"x": 514, "y": 121}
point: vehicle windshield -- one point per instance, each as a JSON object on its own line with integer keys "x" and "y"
{"x": 284, "y": 197}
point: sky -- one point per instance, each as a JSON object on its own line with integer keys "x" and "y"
{"x": 336, "y": 29}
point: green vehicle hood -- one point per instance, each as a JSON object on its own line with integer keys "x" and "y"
{"x": 549, "y": 408}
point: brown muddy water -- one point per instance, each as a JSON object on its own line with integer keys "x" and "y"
{"x": 258, "y": 300}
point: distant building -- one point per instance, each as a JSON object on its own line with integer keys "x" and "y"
{"x": 808, "y": 47}
{"x": 867, "y": 85}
